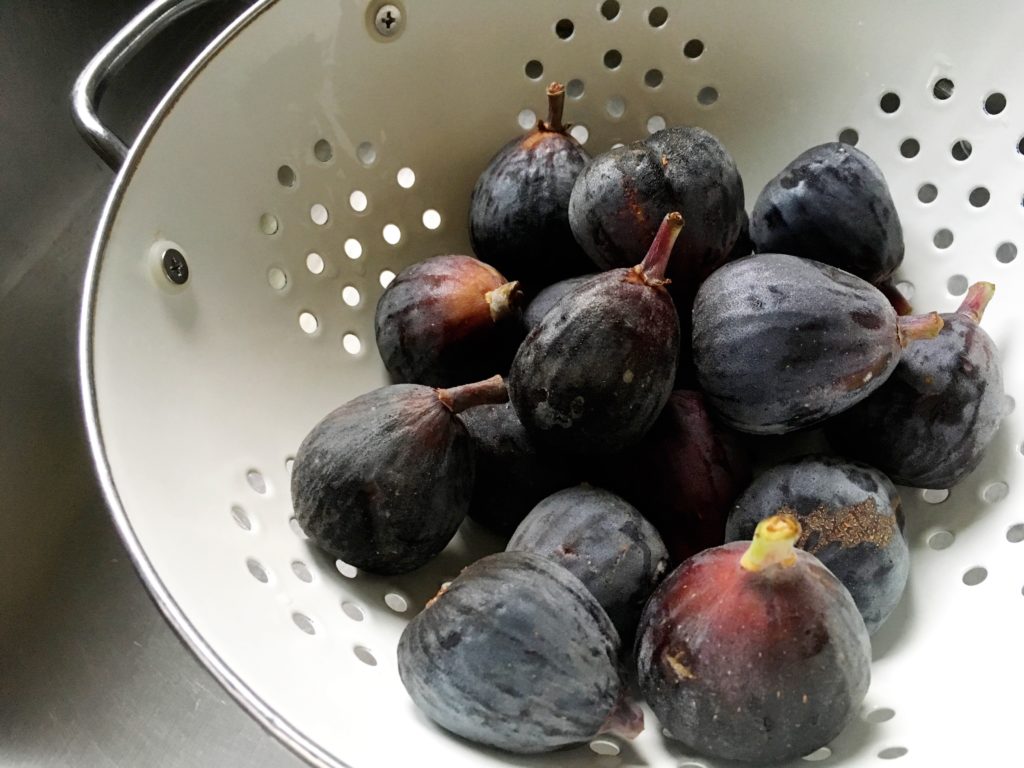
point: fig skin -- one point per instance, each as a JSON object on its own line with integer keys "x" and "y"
{"x": 831, "y": 204}
{"x": 448, "y": 320}
{"x": 519, "y": 210}
{"x": 852, "y": 521}
{"x": 621, "y": 197}
{"x": 781, "y": 343}
{"x": 549, "y": 297}
{"x": 760, "y": 665}
{"x": 604, "y": 542}
{"x": 683, "y": 476}
{"x": 928, "y": 426}
{"x": 384, "y": 481}
{"x": 513, "y": 474}
{"x": 593, "y": 376}
{"x": 517, "y": 654}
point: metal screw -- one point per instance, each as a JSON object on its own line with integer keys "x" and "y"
{"x": 175, "y": 266}
{"x": 388, "y": 20}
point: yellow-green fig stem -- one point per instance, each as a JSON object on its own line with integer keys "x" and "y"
{"x": 774, "y": 544}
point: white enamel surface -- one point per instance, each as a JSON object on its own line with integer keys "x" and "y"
{"x": 198, "y": 386}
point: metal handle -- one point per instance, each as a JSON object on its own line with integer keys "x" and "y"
{"x": 122, "y": 48}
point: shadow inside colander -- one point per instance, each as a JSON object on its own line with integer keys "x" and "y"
{"x": 895, "y": 630}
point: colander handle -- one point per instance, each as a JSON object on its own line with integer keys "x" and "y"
{"x": 108, "y": 61}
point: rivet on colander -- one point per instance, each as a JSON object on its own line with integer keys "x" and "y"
{"x": 175, "y": 266}
{"x": 388, "y": 20}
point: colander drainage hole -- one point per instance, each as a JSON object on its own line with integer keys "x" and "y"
{"x": 957, "y": 285}
{"x": 891, "y": 753}
{"x": 534, "y": 69}
{"x": 399, "y": 604}
{"x": 943, "y": 88}
{"x": 910, "y": 148}
{"x": 890, "y": 102}
{"x": 941, "y": 540}
{"x": 1015, "y": 533}
{"x": 431, "y": 219}
{"x": 818, "y": 755}
{"x": 927, "y": 193}
{"x": 995, "y": 103}
{"x": 707, "y": 95}
{"x": 604, "y": 747}
{"x": 974, "y": 576}
{"x": 693, "y": 49}
{"x": 574, "y": 88}
{"x": 610, "y": 9}
{"x": 580, "y": 132}
{"x": 1020, "y": 146}
{"x": 849, "y": 136}
{"x": 350, "y": 295}
{"x": 323, "y": 151}
{"x": 564, "y": 28}
{"x": 366, "y": 153}
{"x": 293, "y": 523}
{"x": 315, "y": 263}
{"x": 308, "y": 322}
{"x": 906, "y": 288}
{"x": 346, "y": 570}
{"x": 286, "y": 176}
{"x": 995, "y": 492}
{"x": 358, "y": 201}
{"x": 391, "y": 234}
{"x": 256, "y": 481}
{"x": 289, "y": 463}
{"x": 277, "y": 278}
{"x": 319, "y": 214}
{"x": 527, "y": 119}
{"x": 365, "y": 655}
{"x": 269, "y": 224}
{"x": 1006, "y": 252}
{"x": 301, "y": 571}
{"x": 961, "y": 150}
{"x": 979, "y": 197}
{"x": 613, "y": 58}
{"x": 616, "y": 107}
{"x": 386, "y": 276}
{"x": 352, "y": 610}
{"x": 657, "y": 17}
{"x": 655, "y": 123}
{"x": 303, "y": 622}
{"x": 257, "y": 570}
{"x": 935, "y": 495}
{"x": 943, "y": 239}
{"x": 351, "y": 343}
{"x": 405, "y": 178}
{"x": 241, "y": 518}
{"x": 353, "y": 248}
{"x": 880, "y": 715}
{"x": 653, "y": 78}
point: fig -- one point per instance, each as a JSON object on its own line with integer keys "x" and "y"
{"x": 831, "y": 204}
{"x": 516, "y": 654}
{"x": 928, "y": 426}
{"x": 851, "y": 520}
{"x": 519, "y": 210}
{"x": 384, "y": 481}
{"x": 448, "y": 320}
{"x": 549, "y": 297}
{"x": 621, "y": 197}
{"x": 683, "y": 476}
{"x": 754, "y": 651}
{"x": 604, "y": 542}
{"x": 781, "y": 343}
{"x": 594, "y": 374}
{"x": 513, "y": 474}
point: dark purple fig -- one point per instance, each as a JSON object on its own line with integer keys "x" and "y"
{"x": 384, "y": 481}
{"x": 605, "y": 543}
{"x": 621, "y": 197}
{"x": 851, "y": 519}
{"x": 548, "y": 297}
{"x": 513, "y": 474}
{"x": 929, "y": 424}
{"x": 754, "y": 651}
{"x": 782, "y": 343}
{"x": 519, "y": 211}
{"x": 683, "y": 476}
{"x": 448, "y": 320}
{"x": 515, "y": 653}
{"x": 831, "y": 204}
{"x": 743, "y": 246}
{"x": 595, "y": 373}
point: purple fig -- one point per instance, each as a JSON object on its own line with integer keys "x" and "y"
{"x": 549, "y": 297}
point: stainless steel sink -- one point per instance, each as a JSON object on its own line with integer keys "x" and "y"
{"x": 90, "y": 673}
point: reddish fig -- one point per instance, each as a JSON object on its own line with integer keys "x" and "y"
{"x": 595, "y": 373}
{"x": 384, "y": 481}
{"x": 518, "y": 216}
{"x": 448, "y": 320}
{"x": 754, "y": 651}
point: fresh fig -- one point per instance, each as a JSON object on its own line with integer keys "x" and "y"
{"x": 517, "y": 654}
{"x": 519, "y": 211}
{"x": 928, "y": 426}
{"x": 448, "y": 320}
{"x": 754, "y": 651}
{"x": 384, "y": 481}
{"x": 595, "y": 373}
{"x": 782, "y": 343}
{"x": 851, "y": 519}
{"x": 604, "y": 542}
{"x": 549, "y": 297}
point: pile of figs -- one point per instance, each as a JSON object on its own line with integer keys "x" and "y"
{"x": 591, "y": 384}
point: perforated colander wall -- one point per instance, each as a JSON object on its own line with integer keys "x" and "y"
{"x": 309, "y": 160}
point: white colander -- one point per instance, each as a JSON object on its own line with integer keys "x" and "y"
{"x": 305, "y": 158}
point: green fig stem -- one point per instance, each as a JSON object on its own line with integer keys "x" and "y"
{"x": 490, "y": 391}
{"x": 556, "y": 103}
{"x": 774, "y": 544}
{"x": 504, "y": 300}
{"x": 898, "y": 300}
{"x": 918, "y": 327}
{"x": 626, "y": 720}
{"x": 652, "y": 268}
{"x": 977, "y": 299}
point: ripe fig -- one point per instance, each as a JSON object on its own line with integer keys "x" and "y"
{"x": 851, "y": 519}
{"x": 384, "y": 481}
{"x": 515, "y": 653}
{"x": 513, "y": 474}
{"x": 683, "y": 476}
{"x": 754, "y": 651}
{"x": 519, "y": 211}
{"x": 602, "y": 541}
{"x": 549, "y": 297}
{"x": 621, "y": 197}
{"x": 928, "y": 426}
{"x": 448, "y": 320}
{"x": 831, "y": 204}
{"x": 594, "y": 374}
{"x": 782, "y": 343}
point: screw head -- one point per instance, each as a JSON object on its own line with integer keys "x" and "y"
{"x": 175, "y": 266}
{"x": 388, "y": 20}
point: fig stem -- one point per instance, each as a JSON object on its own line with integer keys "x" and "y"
{"x": 918, "y": 327}
{"x": 898, "y": 300}
{"x": 626, "y": 719}
{"x": 504, "y": 300}
{"x": 490, "y": 391}
{"x": 556, "y": 103}
{"x": 655, "y": 263}
{"x": 977, "y": 299}
{"x": 774, "y": 540}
